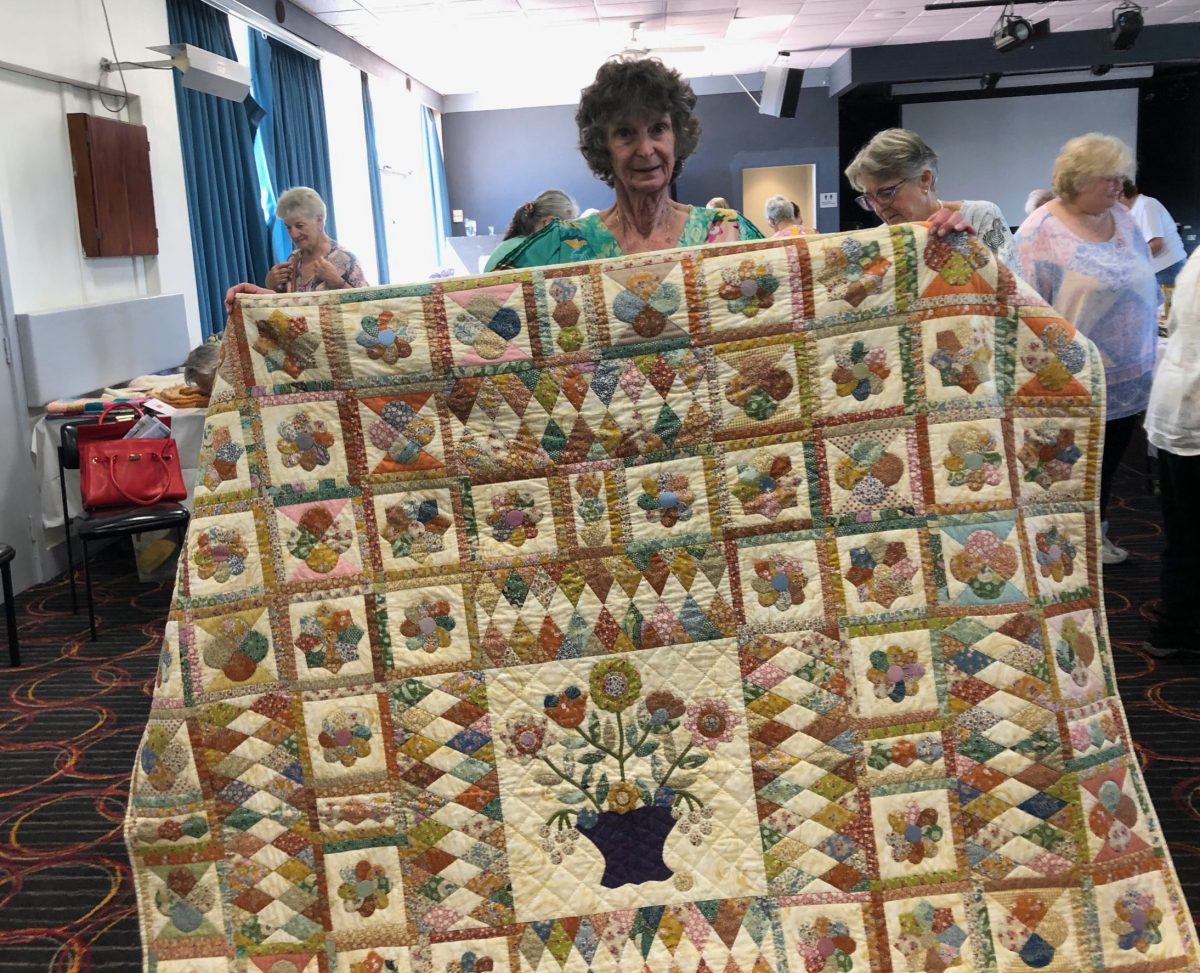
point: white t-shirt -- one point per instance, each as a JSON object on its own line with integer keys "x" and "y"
{"x": 1173, "y": 415}
{"x": 1153, "y": 220}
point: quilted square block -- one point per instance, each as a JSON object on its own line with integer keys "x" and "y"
{"x": 303, "y": 441}
{"x": 860, "y": 371}
{"x": 769, "y": 486}
{"x": 418, "y": 527}
{"x": 872, "y": 471}
{"x": 487, "y": 324}
{"x": 286, "y": 345}
{"x": 329, "y": 639}
{"x": 384, "y": 341}
{"x": 958, "y": 357}
{"x": 759, "y": 386}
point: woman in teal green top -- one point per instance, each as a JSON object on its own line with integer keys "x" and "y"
{"x": 637, "y": 125}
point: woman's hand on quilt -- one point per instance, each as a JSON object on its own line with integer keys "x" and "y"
{"x": 279, "y": 276}
{"x": 236, "y": 289}
{"x": 947, "y": 220}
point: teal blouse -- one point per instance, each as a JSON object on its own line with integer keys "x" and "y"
{"x": 588, "y": 238}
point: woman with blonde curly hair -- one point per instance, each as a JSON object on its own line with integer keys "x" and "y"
{"x": 1082, "y": 252}
{"x": 637, "y": 126}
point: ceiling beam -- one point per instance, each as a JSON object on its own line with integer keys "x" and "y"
{"x": 946, "y": 60}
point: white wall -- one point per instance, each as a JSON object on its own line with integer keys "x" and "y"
{"x": 1001, "y": 148}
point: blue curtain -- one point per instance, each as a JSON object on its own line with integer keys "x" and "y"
{"x": 229, "y": 240}
{"x": 295, "y": 140}
{"x": 437, "y": 183}
{"x": 381, "y": 250}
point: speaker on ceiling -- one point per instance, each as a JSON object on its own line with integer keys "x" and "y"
{"x": 781, "y": 91}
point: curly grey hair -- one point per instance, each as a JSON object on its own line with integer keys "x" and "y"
{"x": 626, "y": 89}
{"x": 201, "y": 366}
{"x": 300, "y": 201}
{"x": 779, "y": 208}
{"x": 894, "y": 153}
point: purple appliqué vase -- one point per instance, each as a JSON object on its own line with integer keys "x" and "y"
{"x": 632, "y": 845}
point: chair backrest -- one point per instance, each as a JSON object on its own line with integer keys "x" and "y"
{"x": 68, "y": 436}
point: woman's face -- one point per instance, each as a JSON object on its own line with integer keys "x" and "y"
{"x": 642, "y": 153}
{"x": 305, "y": 231}
{"x": 1098, "y": 194}
{"x": 897, "y": 200}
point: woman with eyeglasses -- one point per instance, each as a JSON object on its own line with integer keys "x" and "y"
{"x": 1085, "y": 255}
{"x": 896, "y": 172}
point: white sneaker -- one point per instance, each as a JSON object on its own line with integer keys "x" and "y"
{"x": 1111, "y": 554}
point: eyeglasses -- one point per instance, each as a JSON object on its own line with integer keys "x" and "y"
{"x": 881, "y": 198}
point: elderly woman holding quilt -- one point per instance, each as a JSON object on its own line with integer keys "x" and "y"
{"x": 637, "y": 126}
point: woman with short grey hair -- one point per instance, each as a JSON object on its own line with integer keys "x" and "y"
{"x": 784, "y": 217}
{"x": 896, "y": 173}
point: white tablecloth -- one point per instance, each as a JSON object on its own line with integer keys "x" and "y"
{"x": 187, "y": 429}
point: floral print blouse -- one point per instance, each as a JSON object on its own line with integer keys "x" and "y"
{"x": 588, "y": 238}
{"x": 1107, "y": 290}
{"x": 340, "y": 257}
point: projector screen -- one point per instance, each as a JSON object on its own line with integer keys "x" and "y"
{"x": 1001, "y": 148}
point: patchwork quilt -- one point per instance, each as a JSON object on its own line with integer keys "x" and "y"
{"x": 733, "y": 609}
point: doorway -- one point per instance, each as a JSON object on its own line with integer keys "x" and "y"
{"x": 797, "y": 183}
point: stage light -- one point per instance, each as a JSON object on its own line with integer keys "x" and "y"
{"x": 1010, "y": 31}
{"x": 1127, "y": 23}
{"x": 988, "y": 81}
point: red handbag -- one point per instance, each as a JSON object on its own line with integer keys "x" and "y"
{"x": 118, "y": 472}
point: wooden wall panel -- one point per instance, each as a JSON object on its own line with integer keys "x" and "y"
{"x": 113, "y": 190}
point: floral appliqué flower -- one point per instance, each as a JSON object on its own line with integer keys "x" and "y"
{"x": 365, "y": 888}
{"x": 861, "y": 371}
{"x": 401, "y": 432}
{"x": 930, "y": 940}
{"x": 514, "y": 518}
{"x": 427, "y": 625}
{"x": 220, "y": 554}
{"x": 881, "y": 571}
{"x": 853, "y": 271}
{"x": 1075, "y": 652}
{"x": 974, "y": 459}
{"x": 667, "y": 498}
{"x": 779, "y": 581}
{"x": 591, "y": 509}
{"x": 236, "y": 649}
{"x": 915, "y": 833}
{"x": 962, "y": 358}
{"x": 415, "y": 528}
{"x": 471, "y": 962}
{"x": 895, "y": 673}
{"x": 711, "y": 723}
{"x": 524, "y": 740}
{"x": 1054, "y": 357}
{"x": 759, "y": 387}
{"x": 285, "y": 344}
{"x": 345, "y": 737}
{"x": 566, "y": 315}
{"x": 646, "y": 304}
{"x": 329, "y": 638}
{"x": 984, "y": 564}
{"x": 1138, "y": 921}
{"x": 868, "y": 470}
{"x": 749, "y": 288}
{"x": 304, "y": 442}
{"x": 955, "y": 257}
{"x": 184, "y": 900}
{"x": 317, "y": 542}
{"x": 162, "y": 758}
{"x": 487, "y": 326}
{"x": 1055, "y": 554}
{"x": 567, "y": 708}
{"x": 219, "y": 457}
{"x": 615, "y": 685}
{"x": 1048, "y": 454}
{"x": 385, "y": 337}
{"x": 766, "y": 485}
{"x": 826, "y": 946}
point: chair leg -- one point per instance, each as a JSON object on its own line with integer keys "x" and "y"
{"x": 87, "y": 574}
{"x": 71, "y": 568}
{"x": 10, "y": 612}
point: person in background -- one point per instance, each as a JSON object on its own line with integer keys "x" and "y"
{"x": 200, "y": 367}
{"x": 530, "y": 217}
{"x": 637, "y": 126}
{"x": 896, "y": 172}
{"x": 1036, "y": 198}
{"x": 1084, "y": 255}
{"x": 317, "y": 264}
{"x": 1173, "y": 428}
{"x": 783, "y": 216}
{"x": 1167, "y": 253}
{"x": 718, "y": 202}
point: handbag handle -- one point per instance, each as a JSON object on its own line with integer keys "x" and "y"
{"x": 119, "y": 406}
{"x": 140, "y": 501}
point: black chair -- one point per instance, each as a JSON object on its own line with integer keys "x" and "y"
{"x": 10, "y": 605}
{"x": 106, "y": 524}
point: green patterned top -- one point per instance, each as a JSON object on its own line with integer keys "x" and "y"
{"x": 587, "y": 238}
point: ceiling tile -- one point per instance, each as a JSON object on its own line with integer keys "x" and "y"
{"x": 327, "y": 6}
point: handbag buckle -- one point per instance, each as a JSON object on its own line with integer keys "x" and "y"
{"x": 135, "y": 456}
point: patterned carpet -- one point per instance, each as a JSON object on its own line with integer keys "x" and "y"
{"x": 71, "y": 718}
